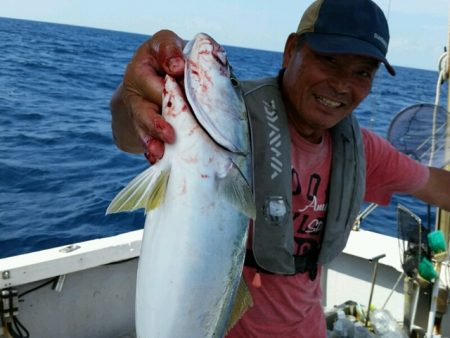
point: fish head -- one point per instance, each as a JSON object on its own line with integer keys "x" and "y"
{"x": 214, "y": 95}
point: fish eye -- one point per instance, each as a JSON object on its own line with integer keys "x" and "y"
{"x": 234, "y": 81}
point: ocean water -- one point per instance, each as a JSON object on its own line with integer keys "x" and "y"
{"x": 59, "y": 168}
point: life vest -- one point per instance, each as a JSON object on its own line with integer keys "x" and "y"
{"x": 273, "y": 233}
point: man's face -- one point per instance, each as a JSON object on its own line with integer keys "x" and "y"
{"x": 322, "y": 89}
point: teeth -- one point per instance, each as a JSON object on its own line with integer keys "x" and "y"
{"x": 328, "y": 102}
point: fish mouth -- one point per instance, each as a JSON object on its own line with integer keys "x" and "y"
{"x": 327, "y": 102}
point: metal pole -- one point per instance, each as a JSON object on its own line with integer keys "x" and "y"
{"x": 374, "y": 277}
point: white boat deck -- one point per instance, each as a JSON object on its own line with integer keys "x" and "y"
{"x": 95, "y": 294}
{"x": 35, "y": 266}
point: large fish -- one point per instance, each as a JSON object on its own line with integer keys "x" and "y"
{"x": 198, "y": 200}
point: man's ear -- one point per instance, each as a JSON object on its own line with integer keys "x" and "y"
{"x": 289, "y": 48}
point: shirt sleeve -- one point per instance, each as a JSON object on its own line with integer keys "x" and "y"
{"x": 389, "y": 171}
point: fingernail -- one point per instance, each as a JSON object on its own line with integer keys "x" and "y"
{"x": 155, "y": 149}
{"x": 145, "y": 140}
{"x": 175, "y": 64}
{"x": 147, "y": 156}
{"x": 150, "y": 158}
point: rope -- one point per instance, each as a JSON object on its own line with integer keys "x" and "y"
{"x": 393, "y": 289}
{"x": 443, "y": 76}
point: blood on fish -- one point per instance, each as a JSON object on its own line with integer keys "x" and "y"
{"x": 191, "y": 159}
{"x": 208, "y": 77}
{"x": 224, "y": 71}
{"x": 193, "y": 129}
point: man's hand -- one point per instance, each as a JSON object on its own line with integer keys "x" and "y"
{"x": 136, "y": 105}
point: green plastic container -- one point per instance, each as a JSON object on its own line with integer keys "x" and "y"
{"x": 436, "y": 241}
{"x": 426, "y": 270}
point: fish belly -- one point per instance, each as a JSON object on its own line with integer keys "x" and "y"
{"x": 191, "y": 261}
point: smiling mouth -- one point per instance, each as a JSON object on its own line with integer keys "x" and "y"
{"x": 328, "y": 102}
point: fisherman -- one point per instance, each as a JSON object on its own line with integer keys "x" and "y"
{"x": 329, "y": 166}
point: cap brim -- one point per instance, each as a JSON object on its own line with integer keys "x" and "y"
{"x": 326, "y": 43}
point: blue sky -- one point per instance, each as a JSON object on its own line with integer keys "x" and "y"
{"x": 419, "y": 29}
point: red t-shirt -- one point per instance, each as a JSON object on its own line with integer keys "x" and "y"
{"x": 289, "y": 306}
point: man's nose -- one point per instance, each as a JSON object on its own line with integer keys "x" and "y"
{"x": 340, "y": 83}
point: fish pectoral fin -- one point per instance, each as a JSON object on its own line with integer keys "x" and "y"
{"x": 243, "y": 301}
{"x": 237, "y": 191}
{"x": 145, "y": 191}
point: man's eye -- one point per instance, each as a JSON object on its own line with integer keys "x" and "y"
{"x": 366, "y": 74}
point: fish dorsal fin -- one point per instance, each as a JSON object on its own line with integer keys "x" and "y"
{"x": 145, "y": 191}
{"x": 236, "y": 190}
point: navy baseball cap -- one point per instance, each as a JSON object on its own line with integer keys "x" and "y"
{"x": 347, "y": 27}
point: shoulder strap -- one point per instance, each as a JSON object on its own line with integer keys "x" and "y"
{"x": 347, "y": 187}
{"x": 273, "y": 242}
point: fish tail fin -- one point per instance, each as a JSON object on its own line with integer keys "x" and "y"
{"x": 237, "y": 191}
{"x": 145, "y": 191}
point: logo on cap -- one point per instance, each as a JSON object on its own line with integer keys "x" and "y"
{"x": 381, "y": 39}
